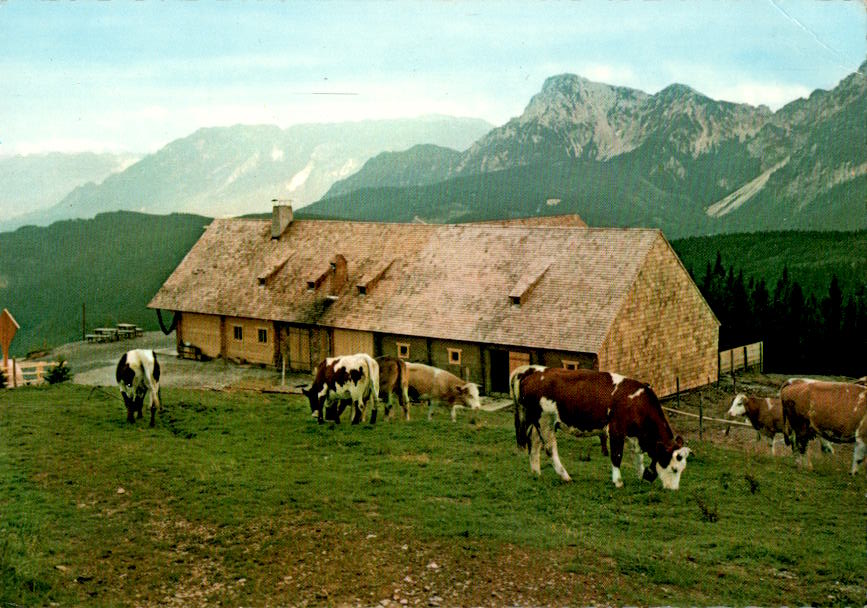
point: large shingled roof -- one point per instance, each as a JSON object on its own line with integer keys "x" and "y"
{"x": 550, "y": 287}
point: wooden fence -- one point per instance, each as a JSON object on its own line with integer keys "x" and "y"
{"x": 23, "y": 373}
{"x": 742, "y": 357}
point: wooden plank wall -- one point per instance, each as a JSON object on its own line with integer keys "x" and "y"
{"x": 664, "y": 332}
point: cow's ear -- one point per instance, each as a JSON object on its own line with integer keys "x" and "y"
{"x": 678, "y": 441}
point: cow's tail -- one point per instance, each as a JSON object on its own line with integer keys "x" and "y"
{"x": 155, "y": 384}
{"x": 521, "y": 435}
{"x": 373, "y": 368}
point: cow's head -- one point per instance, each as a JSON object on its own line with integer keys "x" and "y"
{"x": 738, "y": 407}
{"x": 313, "y": 397}
{"x": 669, "y": 464}
{"x": 469, "y": 395}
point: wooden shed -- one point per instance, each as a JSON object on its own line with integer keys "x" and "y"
{"x": 477, "y": 299}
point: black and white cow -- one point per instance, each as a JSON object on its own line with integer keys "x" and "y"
{"x": 138, "y": 377}
{"x": 352, "y": 378}
{"x": 589, "y": 400}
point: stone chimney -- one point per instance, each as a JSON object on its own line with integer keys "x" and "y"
{"x": 338, "y": 275}
{"x": 281, "y": 217}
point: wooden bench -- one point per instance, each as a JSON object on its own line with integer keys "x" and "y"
{"x": 188, "y": 351}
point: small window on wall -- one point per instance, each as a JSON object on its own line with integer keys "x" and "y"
{"x": 238, "y": 332}
{"x": 454, "y": 356}
{"x": 402, "y": 350}
{"x": 571, "y": 364}
{"x": 263, "y": 336}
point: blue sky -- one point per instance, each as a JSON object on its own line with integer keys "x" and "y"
{"x": 125, "y": 76}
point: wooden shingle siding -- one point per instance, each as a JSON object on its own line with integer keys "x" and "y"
{"x": 249, "y": 348}
{"x": 349, "y": 342}
{"x": 202, "y": 331}
{"x": 665, "y": 330}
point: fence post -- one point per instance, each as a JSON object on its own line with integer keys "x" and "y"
{"x": 762, "y": 356}
{"x": 700, "y": 415}
{"x": 746, "y": 360}
{"x": 734, "y": 382}
{"x": 14, "y": 373}
{"x": 677, "y": 381}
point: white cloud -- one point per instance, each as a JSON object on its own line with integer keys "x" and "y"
{"x": 754, "y": 93}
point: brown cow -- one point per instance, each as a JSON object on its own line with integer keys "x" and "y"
{"x": 590, "y": 400}
{"x": 393, "y": 381}
{"x": 764, "y": 413}
{"x": 439, "y": 386}
{"x": 836, "y": 411}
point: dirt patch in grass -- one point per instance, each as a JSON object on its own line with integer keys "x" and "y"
{"x": 342, "y": 565}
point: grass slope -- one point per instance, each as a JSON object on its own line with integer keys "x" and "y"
{"x": 241, "y": 498}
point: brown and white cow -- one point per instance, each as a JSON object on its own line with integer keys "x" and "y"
{"x": 764, "y": 413}
{"x": 439, "y": 386}
{"x": 393, "y": 382}
{"x": 349, "y": 378}
{"x": 590, "y": 400}
{"x": 835, "y": 411}
{"x": 138, "y": 377}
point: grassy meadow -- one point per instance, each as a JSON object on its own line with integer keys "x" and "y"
{"x": 240, "y": 498}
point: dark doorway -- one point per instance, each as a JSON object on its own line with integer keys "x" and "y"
{"x": 499, "y": 371}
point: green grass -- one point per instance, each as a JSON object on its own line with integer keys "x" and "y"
{"x": 96, "y": 511}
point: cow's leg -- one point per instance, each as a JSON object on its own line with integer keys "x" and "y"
{"x": 616, "y": 440}
{"x": 153, "y": 408}
{"x": 550, "y": 439}
{"x": 603, "y": 441}
{"x": 130, "y": 407}
{"x": 374, "y": 405}
{"x": 454, "y": 412}
{"x": 535, "y": 450}
{"x": 859, "y": 453}
{"x": 638, "y": 456}
{"x": 430, "y": 408}
{"x": 403, "y": 400}
{"x": 357, "y": 411}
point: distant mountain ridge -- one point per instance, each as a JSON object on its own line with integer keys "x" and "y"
{"x": 676, "y": 160}
{"x": 222, "y": 171}
{"x": 36, "y": 181}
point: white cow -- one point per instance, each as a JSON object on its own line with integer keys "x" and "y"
{"x": 138, "y": 376}
{"x": 340, "y": 379}
{"x": 439, "y": 386}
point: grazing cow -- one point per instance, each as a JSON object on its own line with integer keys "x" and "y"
{"x": 766, "y": 416}
{"x": 590, "y": 400}
{"x": 764, "y": 413}
{"x": 349, "y": 378}
{"x": 138, "y": 376}
{"x": 393, "y": 381}
{"x": 514, "y": 382}
{"x": 439, "y": 386}
{"x": 835, "y": 411}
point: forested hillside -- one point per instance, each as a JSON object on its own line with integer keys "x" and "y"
{"x": 804, "y": 294}
{"x": 112, "y": 264}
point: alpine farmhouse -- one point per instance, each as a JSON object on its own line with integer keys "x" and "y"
{"x": 475, "y": 299}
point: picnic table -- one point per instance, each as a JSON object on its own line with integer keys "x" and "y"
{"x": 129, "y": 330}
{"x": 125, "y": 330}
{"x": 106, "y": 334}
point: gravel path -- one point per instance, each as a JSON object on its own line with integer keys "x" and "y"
{"x": 95, "y": 364}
